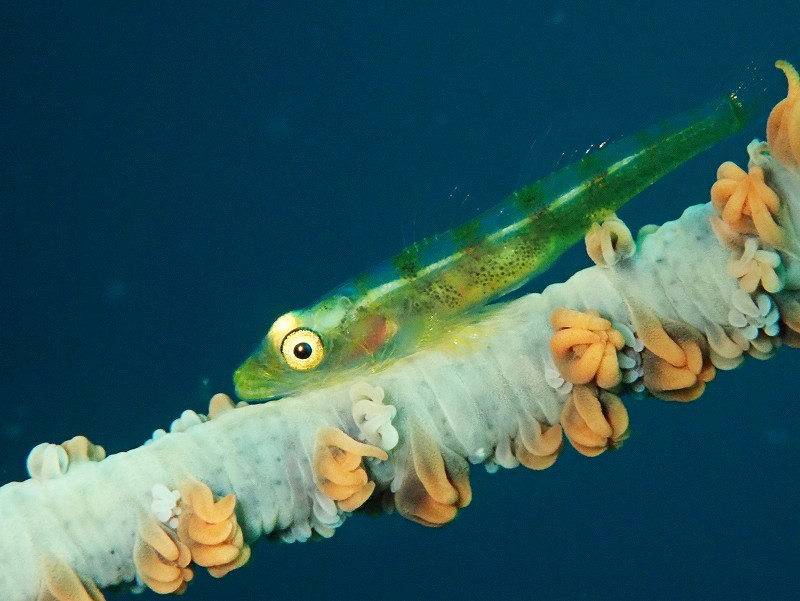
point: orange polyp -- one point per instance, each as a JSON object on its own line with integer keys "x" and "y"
{"x": 338, "y": 492}
{"x": 575, "y": 336}
{"x": 584, "y": 348}
{"x": 152, "y": 533}
{"x": 344, "y": 460}
{"x": 681, "y": 378}
{"x": 550, "y": 441}
{"x": 414, "y": 502}
{"x": 563, "y": 317}
{"x": 338, "y": 470}
{"x": 164, "y": 587}
{"x": 783, "y": 125}
{"x": 358, "y": 498}
{"x": 435, "y": 484}
{"x": 357, "y": 478}
{"x": 588, "y": 408}
{"x": 790, "y": 318}
{"x": 429, "y": 466}
{"x": 437, "y": 513}
{"x": 160, "y": 574}
{"x": 336, "y": 438}
{"x": 694, "y": 356}
{"x": 594, "y": 422}
{"x": 536, "y": 446}
{"x": 80, "y": 448}
{"x": 337, "y": 473}
{"x": 61, "y": 583}
{"x": 221, "y": 570}
{"x": 201, "y": 499}
{"x": 152, "y": 567}
{"x": 209, "y": 534}
{"x": 746, "y": 203}
{"x": 608, "y": 372}
{"x": 214, "y": 555}
{"x": 219, "y": 404}
{"x": 430, "y": 512}
{"x": 609, "y": 242}
{"x": 670, "y": 377}
{"x": 656, "y": 339}
{"x": 577, "y": 363}
{"x": 728, "y": 173}
{"x": 617, "y": 416}
{"x": 463, "y": 487}
{"x": 578, "y": 433}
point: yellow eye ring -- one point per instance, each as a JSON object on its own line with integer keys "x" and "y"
{"x": 302, "y": 349}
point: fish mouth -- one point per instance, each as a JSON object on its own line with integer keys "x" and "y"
{"x": 253, "y": 382}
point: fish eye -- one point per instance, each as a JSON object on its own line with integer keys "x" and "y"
{"x": 302, "y": 349}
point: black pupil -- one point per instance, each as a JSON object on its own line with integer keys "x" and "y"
{"x": 302, "y": 350}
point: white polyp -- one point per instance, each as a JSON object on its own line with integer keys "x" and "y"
{"x": 726, "y": 362}
{"x": 491, "y": 466}
{"x": 165, "y": 505}
{"x": 638, "y": 387}
{"x": 750, "y": 248}
{"x": 743, "y": 303}
{"x": 723, "y": 348}
{"x": 479, "y": 455}
{"x": 552, "y": 376}
{"x": 630, "y": 376}
{"x": 373, "y": 419}
{"x": 503, "y": 455}
{"x": 737, "y": 319}
{"x": 745, "y": 268}
{"x": 555, "y": 380}
{"x": 323, "y": 518}
{"x": 768, "y": 257}
{"x": 398, "y": 477}
{"x": 738, "y": 336}
{"x": 628, "y": 337}
{"x": 324, "y": 510}
{"x": 325, "y": 531}
{"x": 629, "y": 358}
{"x": 188, "y": 419}
{"x": 646, "y": 230}
{"x": 625, "y": 361}
{"x": 47, "y": 461}
{"x": 297, "y": 532}
{"x": 364, "y": 390}
{"x": 772, "y": 276}
{"x": 763, "y": 345}
{"x": 161, "y": 432}
{"x": 751, "y": 316}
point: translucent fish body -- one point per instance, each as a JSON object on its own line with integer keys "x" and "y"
{"x": 405, "y": 303}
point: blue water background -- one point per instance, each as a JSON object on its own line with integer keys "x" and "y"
{"x": 175, "y": 175}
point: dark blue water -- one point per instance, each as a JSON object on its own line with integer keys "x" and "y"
{"x": 174, "y": 175}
